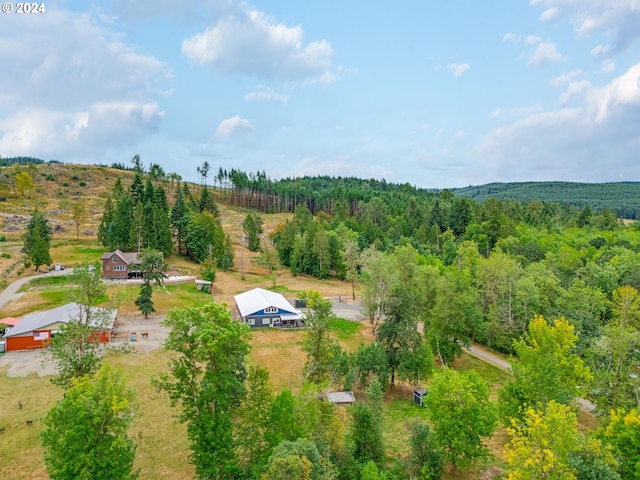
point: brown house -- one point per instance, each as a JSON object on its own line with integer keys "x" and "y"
{"x": 120, "y": 265}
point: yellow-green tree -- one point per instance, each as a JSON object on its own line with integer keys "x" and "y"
{"x": 623, "y": 433}
{"x": 548, "y": 369}
{"x": 541, "y": 444}
{"x": 79, "y": 214}
{"x": 24, "y": 184}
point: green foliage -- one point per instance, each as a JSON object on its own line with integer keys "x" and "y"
{"x": 461, "y": 414}
{"x": 144, "y": 301}
{"x": 623, "y": 433}
{"x": 207, "y": 378}
{"x": 317, "y": 341}
{"x": 252, "y": 227}
{"x": 76, "y": 349}
{"x": 37, "y": 240}
{"x": 425, "y": 459}
{"x": 282, "y": 423}
{"x": 547, "y": 370}
{"x": 306, "y": 461}
{"x": 85, "y": 433}
{"x": 253, "y": 421}
{"x": 366, "y": 434}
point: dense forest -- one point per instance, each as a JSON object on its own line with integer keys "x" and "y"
{"x": 622, "y": 197}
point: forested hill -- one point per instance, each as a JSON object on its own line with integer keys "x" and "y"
{"x": 622, "y": 197}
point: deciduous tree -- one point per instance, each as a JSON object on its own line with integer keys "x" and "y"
{"x": 207, "y": 379}
{"x": 461, "y": 414}
{"x": 85, "y": 433}
{"x": 548, "y": 369}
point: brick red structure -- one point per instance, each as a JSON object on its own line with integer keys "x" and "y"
{"x": 35, "y": 330}
{"x": 120, "y": 265}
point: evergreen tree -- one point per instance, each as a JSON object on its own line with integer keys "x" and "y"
{"x": 37, "y": 240}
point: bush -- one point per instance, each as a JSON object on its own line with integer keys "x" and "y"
{"x": 74, "y": 177}
{"x": 3, "y": 238}
{"x": 50, "y": 177}
{"x": 83, "y": 184}
{"x": 27, "y": 263}
{"x": 65, "y": 184}
{"x": 5, "y": 255}
{"x": 3, "y": 199}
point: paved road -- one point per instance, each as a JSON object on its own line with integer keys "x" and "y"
{"x": 11, "y": 292}
{"x": 488, "y": 357}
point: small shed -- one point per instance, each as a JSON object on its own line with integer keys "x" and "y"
{"x": 341, "y": 398}
{"x": 204, "y": 285}
{"x": 418, "y": 395}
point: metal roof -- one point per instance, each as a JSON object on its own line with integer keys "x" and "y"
{"x": 258, "y": 299}
{"x": 341, "y": 397}
{"x": 40, "y": 320}
{"x": 126, "y": 257}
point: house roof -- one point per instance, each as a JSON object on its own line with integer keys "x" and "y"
{"x": 258, "y": 299}
{"x": 9, "y": 321}
{"x": 40, "y": 320}
{"x": 126, "y": 257}
{"x": 341, "y": 397}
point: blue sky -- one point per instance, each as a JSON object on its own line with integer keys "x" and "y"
{"x": 437, "y": 94}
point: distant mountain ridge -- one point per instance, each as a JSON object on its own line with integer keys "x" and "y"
{"x": 622, "y": 197}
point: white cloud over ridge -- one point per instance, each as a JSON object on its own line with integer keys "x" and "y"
{"x": 233, "y": 126}
{"x": 250, "y": 42}
{"x": 603, "y": 131}
{"x": 99, "y": 93}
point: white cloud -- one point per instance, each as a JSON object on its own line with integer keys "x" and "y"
{"x": 550, "y": 15}
{"x": 512, "y": 37}
{"x": 267, "y": 95}
{"x": 600, "y": 131}
{"x": 574, "y": 90}
{"x": 250, "y": 42}
{"x": 532, "y": 39}
{"x": 458, "y": 69}
{"x": 545, "y": 52}
{"x": 618, "y": 19}
{"x": 608, "y": 65}
{"x": 78, "y": 88}
{"x": 233, "y": 126}
{"x": 565, "y": 78}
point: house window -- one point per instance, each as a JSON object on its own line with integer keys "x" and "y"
{"x": 107, "y": 276}
{"x": 266, "y": 321}
{"x": 40, "y": 335}
{"x": 271, "y": 310}
{"x": 115, "y": 260}
{"x": 108, "y": 267}
{"x": 251, "y": 321}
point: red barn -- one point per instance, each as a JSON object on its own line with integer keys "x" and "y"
{"x": 35, "y": 330}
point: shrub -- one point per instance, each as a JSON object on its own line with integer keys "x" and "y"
{"x": 65, "y": 184}
{"x": 74, "y": 177}
{"x": 50, "y": 177}
{"x": 3, "y": 199}
{"x": 3, "y": 238}
{"x": 83, "y": 184}
{"x": 27, "y": 263}
{"x": 5, "y": 255}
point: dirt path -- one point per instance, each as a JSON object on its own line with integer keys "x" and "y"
{"x": 11, "y": 292}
